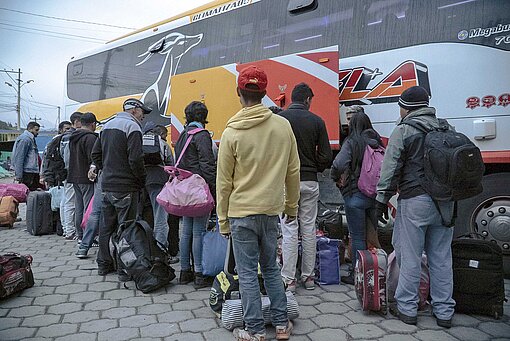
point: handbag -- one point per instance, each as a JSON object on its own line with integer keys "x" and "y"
{"x": 57, "y": 192}
{"x": 214, "y": 251}
{"x": 87, "y": 213}
{"x": 185, "y": 194}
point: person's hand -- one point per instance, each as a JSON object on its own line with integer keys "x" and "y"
{"x": 287, "y": 219}
{"x": 92, "y": 175}
{"x": 226, "y": 235}
{"x": 17, "y": 181}
{"x": 381, "y": 212}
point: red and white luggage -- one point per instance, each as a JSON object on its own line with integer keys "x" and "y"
{"x": 15, "y": 274}
{"x": 18, "y": 191}
{"x": 370, "y": 279}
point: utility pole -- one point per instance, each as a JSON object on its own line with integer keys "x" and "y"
{"x": 58, "y": 115}
{"x": 35, "y": 118}
{"x": 18, "y": 91}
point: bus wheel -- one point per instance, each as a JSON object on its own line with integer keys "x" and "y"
{"x": 489, "y": 214}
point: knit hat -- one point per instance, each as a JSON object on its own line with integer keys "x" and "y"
{"x": 413, "y": 98}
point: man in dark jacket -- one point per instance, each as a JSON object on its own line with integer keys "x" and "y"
{"x": 81, "y": 142}
{"x": 315, "y": 156}
{"x": 418, "y": 225}
{"x": 118, "y": 153}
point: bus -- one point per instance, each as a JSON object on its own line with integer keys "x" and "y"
{"x": 363, "y": 52}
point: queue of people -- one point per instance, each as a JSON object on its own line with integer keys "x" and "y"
{"x": 263, "y": 176}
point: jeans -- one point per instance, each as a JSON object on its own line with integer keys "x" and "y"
{"x": 254, "y": 242}
{"x": 193, "y": 229}
{"x": 67, "y": 209}
{"x": 304, "y": 224}
{"x": 160, "y": 216}
{"x": 418, "y": 227}
{"x": 117, "y": 209}
{"x": 95, "y": 219}
{"x": 356, "y": 212}
{"x": 82, "y": 195}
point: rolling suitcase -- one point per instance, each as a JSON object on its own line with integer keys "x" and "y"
{"x": 478, "y": 282}
{"x": 370, "y": 279}
{"x": 327, "y": 261}
{"x": 39, "y": 213}
{"x": 8, "y": 211}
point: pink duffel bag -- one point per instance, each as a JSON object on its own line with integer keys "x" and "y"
{"x": 18, "y": 191}
{"x": 86, "y": 214}
{"x": 185, "y": 194}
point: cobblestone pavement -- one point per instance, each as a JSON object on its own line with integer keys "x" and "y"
{"x": 69, "y": 301}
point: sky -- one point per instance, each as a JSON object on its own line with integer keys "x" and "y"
{"x": 42, "y": 42}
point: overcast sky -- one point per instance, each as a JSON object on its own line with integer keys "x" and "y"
{"x": 42, "y": 46}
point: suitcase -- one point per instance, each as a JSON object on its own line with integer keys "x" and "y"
{"x": 370, "y": 279}
{"x": 15, "y": 274}
{"x": 8, "y": 211}
{"x": 39, "y": 213}
{"x": 18, "y": 191}
{"x": 478, "y": 282}
{"x": 327, "y": 261}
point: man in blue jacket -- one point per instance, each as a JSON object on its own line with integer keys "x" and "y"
{"x": 25, "y": 157}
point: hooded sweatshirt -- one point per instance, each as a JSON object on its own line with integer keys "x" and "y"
{"x": 81, "y": 142}
{"x": 258, "y": 167}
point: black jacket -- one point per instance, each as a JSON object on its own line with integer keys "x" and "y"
{"x": 350, "y": 158}
{"x": 312, "y": 140}
{"x": 118, "y": 152}
{"x": 198, "y": 157}
{"x": 81, "y": 142}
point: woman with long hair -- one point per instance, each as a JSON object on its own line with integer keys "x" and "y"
{"x": 199, "y": 159}
{"x": 346, "y": 171}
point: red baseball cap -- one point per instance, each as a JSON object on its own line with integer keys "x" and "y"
{"x": 252, "y": 75}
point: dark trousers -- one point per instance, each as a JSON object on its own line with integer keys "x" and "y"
{"x": 173, "y": 235}
{"x": 117, "y": 209}
{"x": 31, "y": 180}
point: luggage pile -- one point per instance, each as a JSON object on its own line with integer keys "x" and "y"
{"x": 10, "y": 197}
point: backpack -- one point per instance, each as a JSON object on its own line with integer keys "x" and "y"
{"x": 453, "y": 164}
{"x": 54, "y": 167}
{"x": 370, "y": 171}
{"x": 140, "y": 256}
{"x": 151, "y": 148}
{"x": 65, "y": 148}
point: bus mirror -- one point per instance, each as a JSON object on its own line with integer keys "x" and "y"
{"x": 299, "y": 6}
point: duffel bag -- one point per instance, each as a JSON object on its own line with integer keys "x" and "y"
{"x": 15, "y": 274}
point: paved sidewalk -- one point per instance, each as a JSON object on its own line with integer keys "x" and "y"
{"x": 69, "y": 301}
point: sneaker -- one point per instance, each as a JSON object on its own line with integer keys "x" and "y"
{"x": 244, "y": 335}
{"x": 412, "y": 320}
{"x": 349, "y": 279}
{"x": 82, "y": 253}
{"x": 309, "y": 283}
{"x": 283, "y": 332}
{"x": 71, "y": 236}
{"x": 445, "y": 323}
{"x": 201, "y": 281}
{"x": 95, "y": 243}
{"x": 173, "y": 259}
{"x": 104, "y": 271}
{"x": 186, "y": 277}
{"x": 291, "y": 286}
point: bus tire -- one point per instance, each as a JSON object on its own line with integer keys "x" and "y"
{"x": 489, "y": 214}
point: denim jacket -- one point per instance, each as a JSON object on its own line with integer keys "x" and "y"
{"x": 25, "y": 156}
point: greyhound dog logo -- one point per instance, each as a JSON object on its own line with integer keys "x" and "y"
{"x": 173, "y": 46}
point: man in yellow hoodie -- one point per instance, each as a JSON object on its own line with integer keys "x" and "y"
{"x": 257, "y": 179}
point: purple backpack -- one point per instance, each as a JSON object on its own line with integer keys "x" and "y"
{"x": 370, "y": 170}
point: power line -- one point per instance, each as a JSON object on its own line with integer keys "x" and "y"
{"x": 65, "y": 19}
{"x": 49, "y": 35}
{"x": 53, "y": 32}
{"x": 56, "y": 26}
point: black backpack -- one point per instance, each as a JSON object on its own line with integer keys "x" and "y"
{"x": 54, "y": 168}
{"x": 141, "y": 258}
{"x": 151, "y": 149}
{"x": 453, "y": 164}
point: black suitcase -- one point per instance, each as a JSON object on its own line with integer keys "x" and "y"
{"x": 478, "y": 283}
{"x": 39, "y": 213}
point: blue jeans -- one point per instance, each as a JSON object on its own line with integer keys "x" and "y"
{"x": 356, "y": 212}
{"x": 160, "y": 216}
{"x": 92, "y": 228}
{"x": 254, "y": 241}
{"x": 418, "y": 227}
{"x": 193, "y": 229}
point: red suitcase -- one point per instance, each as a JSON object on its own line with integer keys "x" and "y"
{"x": 18, "y": 191}
{"x": 370, "y": 279}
